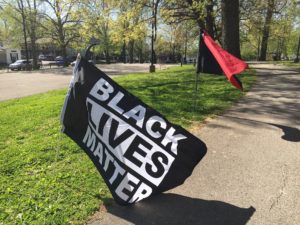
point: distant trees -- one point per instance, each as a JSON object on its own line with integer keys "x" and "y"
{"x": 96, "y": 23}
{"x": 254, "y": 29}
{"x": 61, "y": 22}
{"x": 23, "y": 14}
{"x": 268, "y": 28}
{"x": 132, "y": 23}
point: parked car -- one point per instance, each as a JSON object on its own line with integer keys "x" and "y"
{"x": 20, "y": 64}
{"x": 46, "y": 57}
{"x": 61, "y": 61}
{"x": 59, "y": 58}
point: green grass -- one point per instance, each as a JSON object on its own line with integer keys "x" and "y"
{"x": 46, "y": 179}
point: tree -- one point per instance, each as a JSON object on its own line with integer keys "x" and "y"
{"x": 261, "y": 35}
{"x": 23, "y": 16}
{"x": 132, "y": 24}
{"x": 266, "y": 30}
{"x": 97, "y": 17}
{"x": 25, "y": 13}
{"x": 16, "y": 11}
{"x": 32, "y": 27}
{"x": 62, "y": 22}
{"x": 231, "y": 27}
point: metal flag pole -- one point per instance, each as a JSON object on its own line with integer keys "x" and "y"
{"x": 92, "y": 43}
{"x": 197, "y": 72}
{"x": 88, "y": 53}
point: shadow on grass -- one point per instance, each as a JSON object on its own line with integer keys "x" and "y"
{"x": 165, "y": 209}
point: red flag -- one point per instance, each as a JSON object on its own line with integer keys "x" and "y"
{"x": 230, "y": 64}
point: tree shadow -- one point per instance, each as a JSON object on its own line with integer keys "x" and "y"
{"x": 290, "y": 133}
{"x": 165, "y": 209}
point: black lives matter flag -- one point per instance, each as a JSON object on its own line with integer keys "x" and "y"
{"x": 137, "y": 151}
{"x": 215, "y": 60}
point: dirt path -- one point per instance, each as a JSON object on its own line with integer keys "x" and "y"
{"x": 251, "y": 173}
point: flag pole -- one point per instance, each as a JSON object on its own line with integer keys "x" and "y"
{"x": 197, "y": 72}
{"x": 88, "y": 53}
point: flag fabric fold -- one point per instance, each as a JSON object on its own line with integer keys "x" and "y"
{"x": 214, "y": 59}
{"x": 137, "y": 150}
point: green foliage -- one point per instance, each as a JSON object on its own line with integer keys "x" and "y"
{"x": 283, "y": 29}
{"x": 10, "y": 27}
{"x": 46, "y": 179}
{"x": 177, "y": 39}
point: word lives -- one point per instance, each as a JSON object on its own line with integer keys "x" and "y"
{"x": 132, "y": 145}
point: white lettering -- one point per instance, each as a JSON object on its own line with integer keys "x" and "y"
{"x": 108, "y": 159}
{"x": 138, "y": 114}
{"x": 125, "y": 185}
{"x": 99, "y": 152}
{"x": 149, "y": 126}
{"x": 89, "y": 139}
{"x": 120, "y": 150}
{"x": 103, "y": 86}
{"x": 171, "y": 138}
{"x": 115, "y": 100}
{"x": 142, "y": 192}
{"x": 118, "y": 170}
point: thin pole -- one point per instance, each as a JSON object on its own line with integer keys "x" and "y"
{"x": 298, "y": 49}
{"x": 197, "y": 73}
{"x": 152, "y": 36}
{"x": 88, "y": 53}
{"x": 152, "y": 67}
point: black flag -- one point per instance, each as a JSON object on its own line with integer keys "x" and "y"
{"x": 137, "y": 151}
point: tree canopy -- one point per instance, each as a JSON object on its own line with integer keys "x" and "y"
{"x": 251, "y": 29}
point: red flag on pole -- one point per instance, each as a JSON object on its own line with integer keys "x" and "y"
{"x": 214, "y": 59}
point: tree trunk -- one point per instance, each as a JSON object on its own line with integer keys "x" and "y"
{"x": 33, "y": 25}
{"x": 231, "y": 27}
{"x": 33, "y": 51}
{"x": 21, "y": 7}
{"x": 63, "y": 48}
{"x": 107, "y": 56}
{"x": 258, "y": 48}
{"x": 266, "y": 31}
{"x": 131, "y": 51}
{"x": 123, "y": 54}
{"x": 209, "y": 20}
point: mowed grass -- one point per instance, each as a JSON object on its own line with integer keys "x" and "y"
{"x": 47, "y": 179}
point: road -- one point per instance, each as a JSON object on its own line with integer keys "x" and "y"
{"x": 23, "y": 83}
{"x": 250, "y": 174}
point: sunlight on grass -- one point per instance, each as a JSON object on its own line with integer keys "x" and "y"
{"x": 45, "y": 178}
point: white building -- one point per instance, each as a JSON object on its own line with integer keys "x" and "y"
{"x": 9, "y": 55}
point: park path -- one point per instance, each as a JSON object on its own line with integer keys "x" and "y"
{"x": 25, "y": 83}
{"x": 251, "y": 173}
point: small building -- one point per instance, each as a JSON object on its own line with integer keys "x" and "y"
{"x": 9, "y": 55}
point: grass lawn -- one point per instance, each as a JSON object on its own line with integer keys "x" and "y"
{"x": 46, "y": 179}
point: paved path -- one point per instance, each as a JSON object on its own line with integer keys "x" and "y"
{"x": 23, "y": 83}
{"x": 251, "y": 173}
